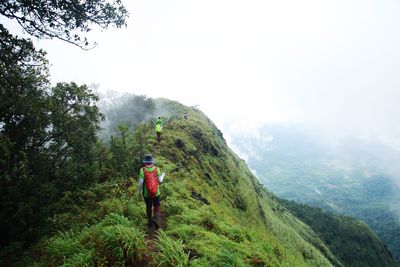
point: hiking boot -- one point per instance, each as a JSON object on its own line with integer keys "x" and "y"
{"x": 156, "y": 225}
{"x": 155, "y": 220}
{"x": 150, "y": 224}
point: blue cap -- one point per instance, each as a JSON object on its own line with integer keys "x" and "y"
{"x": 148, "y": 159}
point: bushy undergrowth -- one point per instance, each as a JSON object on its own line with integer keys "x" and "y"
{"x": 114, "y": 240}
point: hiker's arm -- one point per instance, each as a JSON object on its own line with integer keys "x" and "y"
{"x": 140, "y": 182}
{"x": 140, "y": 185}
{"x": 160, "y": 175}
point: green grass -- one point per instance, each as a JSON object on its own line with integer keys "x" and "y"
{"x": 83, "y": 259}
{"x": 114, "y": 240}
{"x": 170, "y": 252}
{"x": 243, "y": 225}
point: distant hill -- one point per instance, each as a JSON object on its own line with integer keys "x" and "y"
{"x": 350, "y": 240}
{"x": 214, "y": 210}
{"x": 347, "y": 177}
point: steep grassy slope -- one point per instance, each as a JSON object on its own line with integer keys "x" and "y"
{"x": 350, "y": 240}
{"x": 194, "y": 152}
{"x": 214, "y": 211}
{"x": 350, "y": 176}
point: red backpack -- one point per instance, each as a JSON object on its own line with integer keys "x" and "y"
{"x": 151, "y": 180}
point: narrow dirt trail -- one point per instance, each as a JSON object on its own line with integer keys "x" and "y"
{"x": 151, "y": 238}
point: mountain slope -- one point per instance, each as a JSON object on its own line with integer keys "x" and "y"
{"x": 195, "y": 151}
{"x": 350, "y": 240}
{"x": 346, "y": 176}
{"x": 215, "y": 212}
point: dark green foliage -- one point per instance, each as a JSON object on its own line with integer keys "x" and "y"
{"x": 239, "y": 203}
{"x": 63, "y": 246}
{"x": 61, "y": 19}
{"x": 47, "y": 136}
{"x": 48, "y": 157}
{"x": 126, "y": 151}
{"x": 350, "y": 240}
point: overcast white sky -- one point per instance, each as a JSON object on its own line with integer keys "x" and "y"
{"x": 332, "y": 63}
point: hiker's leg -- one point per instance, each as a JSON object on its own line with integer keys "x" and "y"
{"x": 156, "y": 203}
{"x": 158, "y": 136}
{"x": 148, "y": 210}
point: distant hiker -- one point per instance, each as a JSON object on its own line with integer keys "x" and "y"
{"x": 159, "y": 123}
{"x": 186, "y": 115}
{"x": 149, "y": 179}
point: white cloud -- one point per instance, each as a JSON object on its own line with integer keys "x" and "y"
{"x": 332, "y": 63}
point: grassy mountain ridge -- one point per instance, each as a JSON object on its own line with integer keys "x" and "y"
{"x": 215, "y": 211}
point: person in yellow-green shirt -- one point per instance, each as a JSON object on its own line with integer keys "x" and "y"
{"x": 159, "y": 123}
{"x": 149, "y": 179}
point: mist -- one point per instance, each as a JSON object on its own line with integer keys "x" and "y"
{"x": 329, "y": 66}
{"x": 334, "y": 66}
{"x": 357, "y": 153}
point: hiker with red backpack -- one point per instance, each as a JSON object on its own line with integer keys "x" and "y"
{"x": 149, "y": 179}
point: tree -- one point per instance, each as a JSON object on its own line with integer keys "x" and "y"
{"x": 47, "y": 135}
{"x": 48, "y": 148}
{"x": 63, "y": 18}
{"x": 74, "y": 122}
{"x": 23, "y": 91}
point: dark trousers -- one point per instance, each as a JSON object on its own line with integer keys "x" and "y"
{"x": 150, "y": 203}
{"x": 158, "y": 136}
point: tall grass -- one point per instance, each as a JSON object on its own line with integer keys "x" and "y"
{"x": 82, "y": 259}
{"x": 170, "y": 252}
{"x": 63, "y": 246}
{"x": 227, "y": 258}
{"x": 123, "y": 244}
